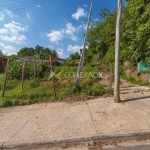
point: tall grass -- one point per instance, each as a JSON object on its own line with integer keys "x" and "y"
{"x": 40, "y": 90}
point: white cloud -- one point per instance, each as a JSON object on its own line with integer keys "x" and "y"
{"x": 15, "y": 27}
{"x": 70, "y": 27}
{"x": 80, "y": 13}
{"x": 3, "y": 31}
{"x": 82, "y": 26}
{"x": 74, "y": 38}
{"x": 7, "y": 50}
{"x": 38, "y": 6}
{"x": 18, "y": 39}
{"x": 95, "y": 19}
{"x": 8, "y": 12}
{"x": 5, "y": 11}
{"x": 70, "y": 31}
{"x": 1, "y": 16}
{"x": 74, "y": 49}
{"x": 50, "y": 46}
{"x": 28, "y": 16}
{"x": 85, "y": 5}
{"x": 60, "y": 52}
{"x": 55, "y": 36}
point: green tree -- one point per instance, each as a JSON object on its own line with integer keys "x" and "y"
{"x": 39, "y": 52}
{"x": 2, "y": 56}
{"x": 74, "y": 56}
{"x": 25, "y": 52}
{"x": 136, "y": 30}
{"x": 102, "y": 36}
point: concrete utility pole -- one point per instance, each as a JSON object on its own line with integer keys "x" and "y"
{"x": 117, "y": 54}
{"x": 77, "y": 83}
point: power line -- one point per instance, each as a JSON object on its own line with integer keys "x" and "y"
{"x": 28, "y": 6}
{"x": 7, "y": 0}
{"x": 21, "y": 4}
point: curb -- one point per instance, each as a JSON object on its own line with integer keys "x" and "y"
{"x": 75, "y": 141}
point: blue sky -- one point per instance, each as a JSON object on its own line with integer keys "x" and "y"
{"x": 57, "y": 24}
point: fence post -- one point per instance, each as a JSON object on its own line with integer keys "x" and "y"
{"x": 34, "y": 68}
{"x": 110, "y": 76}
{"x": 5, "y": 77}
{"x": 3, "y": 67}
{"x": 23, "y": 68}
{"x": 53, "y": 81}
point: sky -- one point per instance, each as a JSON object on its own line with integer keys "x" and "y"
{"x": 57, "y": 24}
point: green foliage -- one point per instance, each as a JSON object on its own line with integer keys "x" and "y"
{"x": 1, "y": 80}
{"x": 39, "y": 52}
{"x": 74, "y": 56}
{"x": 108, "y": 56}
{"x": 135, "y": 34}
{"x": 96, "y": 90}
{"x": 102, "y": 36}
{"x": 136, "y": 30}
{"x": 72, "y": 63}
{"x": 34, "y": 83}
{"x": 2, "y": 56}
{"x": 15, "y": 70}
{"x": 65, "y": 70}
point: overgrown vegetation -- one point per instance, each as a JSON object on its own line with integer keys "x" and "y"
{"x": 135, "y": 39}
{"x": 41, "y": 89}
{"x": 135, "y": 47}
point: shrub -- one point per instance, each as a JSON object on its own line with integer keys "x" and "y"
{"x": 97, "y": 90}
{"x": 34, "y": 83}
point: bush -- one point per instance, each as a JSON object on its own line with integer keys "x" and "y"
{"x": 15, "y": 71}
{"x": 11, "y": 84}
{"x": 97, "y": 90}
{"x": 34, "y": 83}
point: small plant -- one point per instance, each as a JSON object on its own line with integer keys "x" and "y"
{"x": 34, "y": 83}
{"x": 96, "y": 90}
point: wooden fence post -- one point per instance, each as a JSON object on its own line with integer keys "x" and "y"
{"x": 5, "y": 77}
{"x": 42, "y": 68}
{"x": 23, "y": 68}
{"x": 53, "y": 81}
{"x": 110, "y": 76}
{"x": 3, "y": 67}
{"x": 34, "y": 68}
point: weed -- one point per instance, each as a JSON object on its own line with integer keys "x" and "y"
{"x": 96, "y": 90}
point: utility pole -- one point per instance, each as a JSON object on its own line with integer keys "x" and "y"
{"x": 80, "y": 67}
{"x": 117, "y": 54}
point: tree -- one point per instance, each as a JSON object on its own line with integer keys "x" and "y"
{"x": 135, "y": 39}
{"x": 39, "y": 52}
{"x": 74, "y": 56}
{"x": 25, "y": 52}
{"x": 2, "y": 56}
{"x": 102, "y": 36}
{"x": 136, "y": 30}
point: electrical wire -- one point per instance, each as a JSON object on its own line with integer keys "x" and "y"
{"x": 7, "y": 0}
{"x": 22, "y": 4}
{"x": 28, "y": 6}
